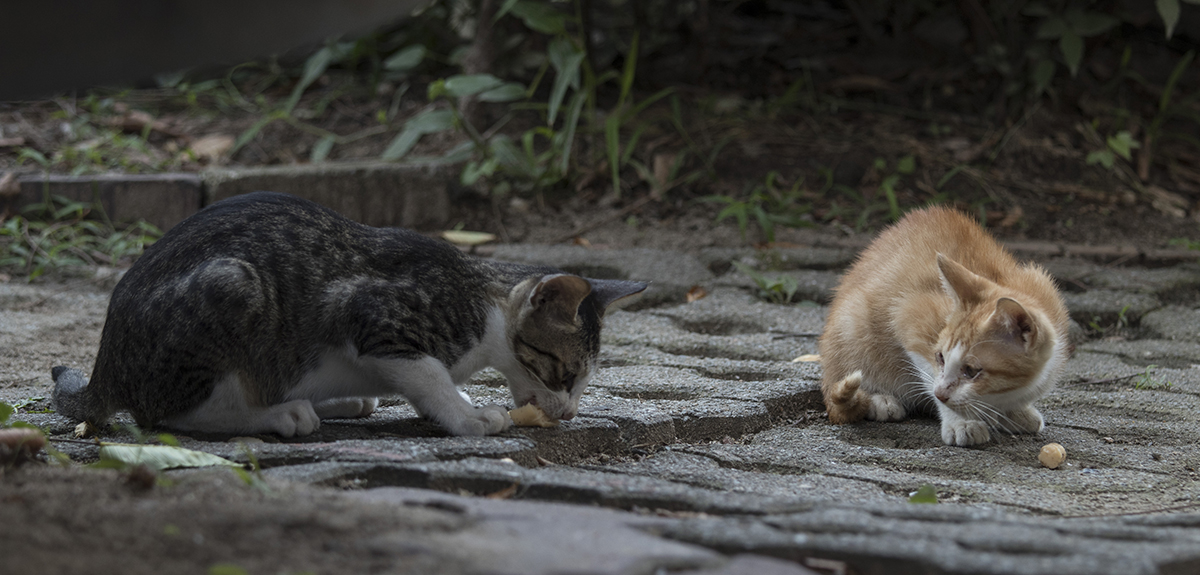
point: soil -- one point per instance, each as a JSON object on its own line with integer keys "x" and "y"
{"x": 764, "y": 88}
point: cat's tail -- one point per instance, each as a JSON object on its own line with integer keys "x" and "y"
{"x": 844, "y": 400}
{"x": 71, "y": 397}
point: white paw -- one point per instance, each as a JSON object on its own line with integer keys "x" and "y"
{"x": 964, "y": 432}
{"x": 487, "y": 420}
{"x": 293, "y": 419}
{"x": 886, "y": 407}
{"x": 1027, "y": 420}
{"x": 346, "y": 407}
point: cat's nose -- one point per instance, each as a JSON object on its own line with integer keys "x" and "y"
{"x": 943, "y": 395}
{"x": 569, "y": 414}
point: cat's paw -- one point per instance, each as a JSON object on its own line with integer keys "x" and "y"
{"x": 1027, "y": 420}
{"x": 346, "y": 407}
{"x": 486, "y": 420}
{"x": 964, "y": 432}
{"x": 886, "y": 407}
{"x": 293, "y": 419}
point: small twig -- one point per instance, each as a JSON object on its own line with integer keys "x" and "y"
{"x": 631, "y": 208}
{"x": 791, "y": 335}
{"x": 95, "y": 442}
{"x": 1146, "y": 512}
{"x": 1109, "y": 380}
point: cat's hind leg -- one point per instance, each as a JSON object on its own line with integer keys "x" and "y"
{"x": 847, "y": 402}
{"x": 226, "y": 411}
{"x": 346, "y": 407}
{"x": 844, "y": 399}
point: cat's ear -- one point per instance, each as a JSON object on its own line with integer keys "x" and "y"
{"x": 608, "y": 292}
{"x": 959, "y": 282}
{"x": 1015, "y": 322}
{"x": 559, "y": 296}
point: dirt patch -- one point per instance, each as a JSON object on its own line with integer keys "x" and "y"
{"x": 199, "y": 521}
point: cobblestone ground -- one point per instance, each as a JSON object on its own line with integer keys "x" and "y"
{"x": 702, "y": 447}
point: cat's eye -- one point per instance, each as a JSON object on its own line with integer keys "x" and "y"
{"x": 941, "y": 360}
{"x": 970, "y": 372}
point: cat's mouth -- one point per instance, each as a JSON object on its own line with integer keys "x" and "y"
{"x": 563, "y": 412}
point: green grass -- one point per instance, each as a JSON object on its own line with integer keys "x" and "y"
{"x": 57, "y": 233}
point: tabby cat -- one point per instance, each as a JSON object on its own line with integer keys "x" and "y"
{"x": 268, "y": 313}
{"x": 935, "y": 315}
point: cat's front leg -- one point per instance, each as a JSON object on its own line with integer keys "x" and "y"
{"x": 427, "y": 385}
{"x": 1027, "y": 419}
{"x": 961, "y": 431}
{"x": 886, "y": 407}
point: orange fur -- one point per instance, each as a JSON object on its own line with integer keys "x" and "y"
{"x": 936, "y": 282}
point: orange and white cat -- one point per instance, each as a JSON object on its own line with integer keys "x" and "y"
{"x": 936, "y": 314}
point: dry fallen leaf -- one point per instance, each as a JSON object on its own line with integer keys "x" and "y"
{"x": 581, "y": 241}
{"x": 505, "y": 493}
{"x": 212, "y": 147}
{"x": 9, "y": 186}
{"x": 85, "y": 429}
{"x": 465, "y": 238}
{"x": 807, "y": 358}
{"x": 696, "y": 293}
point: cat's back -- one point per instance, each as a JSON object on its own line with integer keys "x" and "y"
{"x": 904, "y": 256}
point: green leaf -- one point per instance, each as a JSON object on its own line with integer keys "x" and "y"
{"x": 1123, "y": 144}
{"x": 6, "y": 410}
{"x": 1043, "y": 74}
{"x": 321, "y": 149}
{"x": 1088, "y": 24}
{"x": 417, "y": 126}
{"x": 888, "y": 185}
{"x": 1184, "y": 62}
{"x": 612, "y": 143}
{"x": 159, "y": 457}
{"x": 504, "y": 9}
{"x": 540, "y": 17}
{"x": 227, "y": 569}
{"x": 906, "y": 165}
{"x": 1051, "y": 28}
{"x": 508, "y": 92}
{"x": 1103, "y": 157}
{"x": 630, "y": 69}
{"x": 313, "y": 68}
{"x": 473, "y": 171}
{"x": 1169, "y": 11}
{"x": 925, "y": 494}
{"x": 1071, "y": 45}
{"x": 245, "y": 137}
{"x": 566, "y": 61}
{"x": 437, "y": 89}
{"x": 405, "y": 59}
{"x": 471, "y": 84}
{"x": 569, "y": 126}
{"x": 1036, "y": 9}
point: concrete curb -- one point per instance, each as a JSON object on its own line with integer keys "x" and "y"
{"x": 410, "y": 195}
{"x": 377, "y": 194}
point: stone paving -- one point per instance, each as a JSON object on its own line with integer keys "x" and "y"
{"x": 702, "y": 447}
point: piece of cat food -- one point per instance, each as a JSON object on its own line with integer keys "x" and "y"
{"x": 530, "y": 415}
{"x": 1052, "y": 455}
